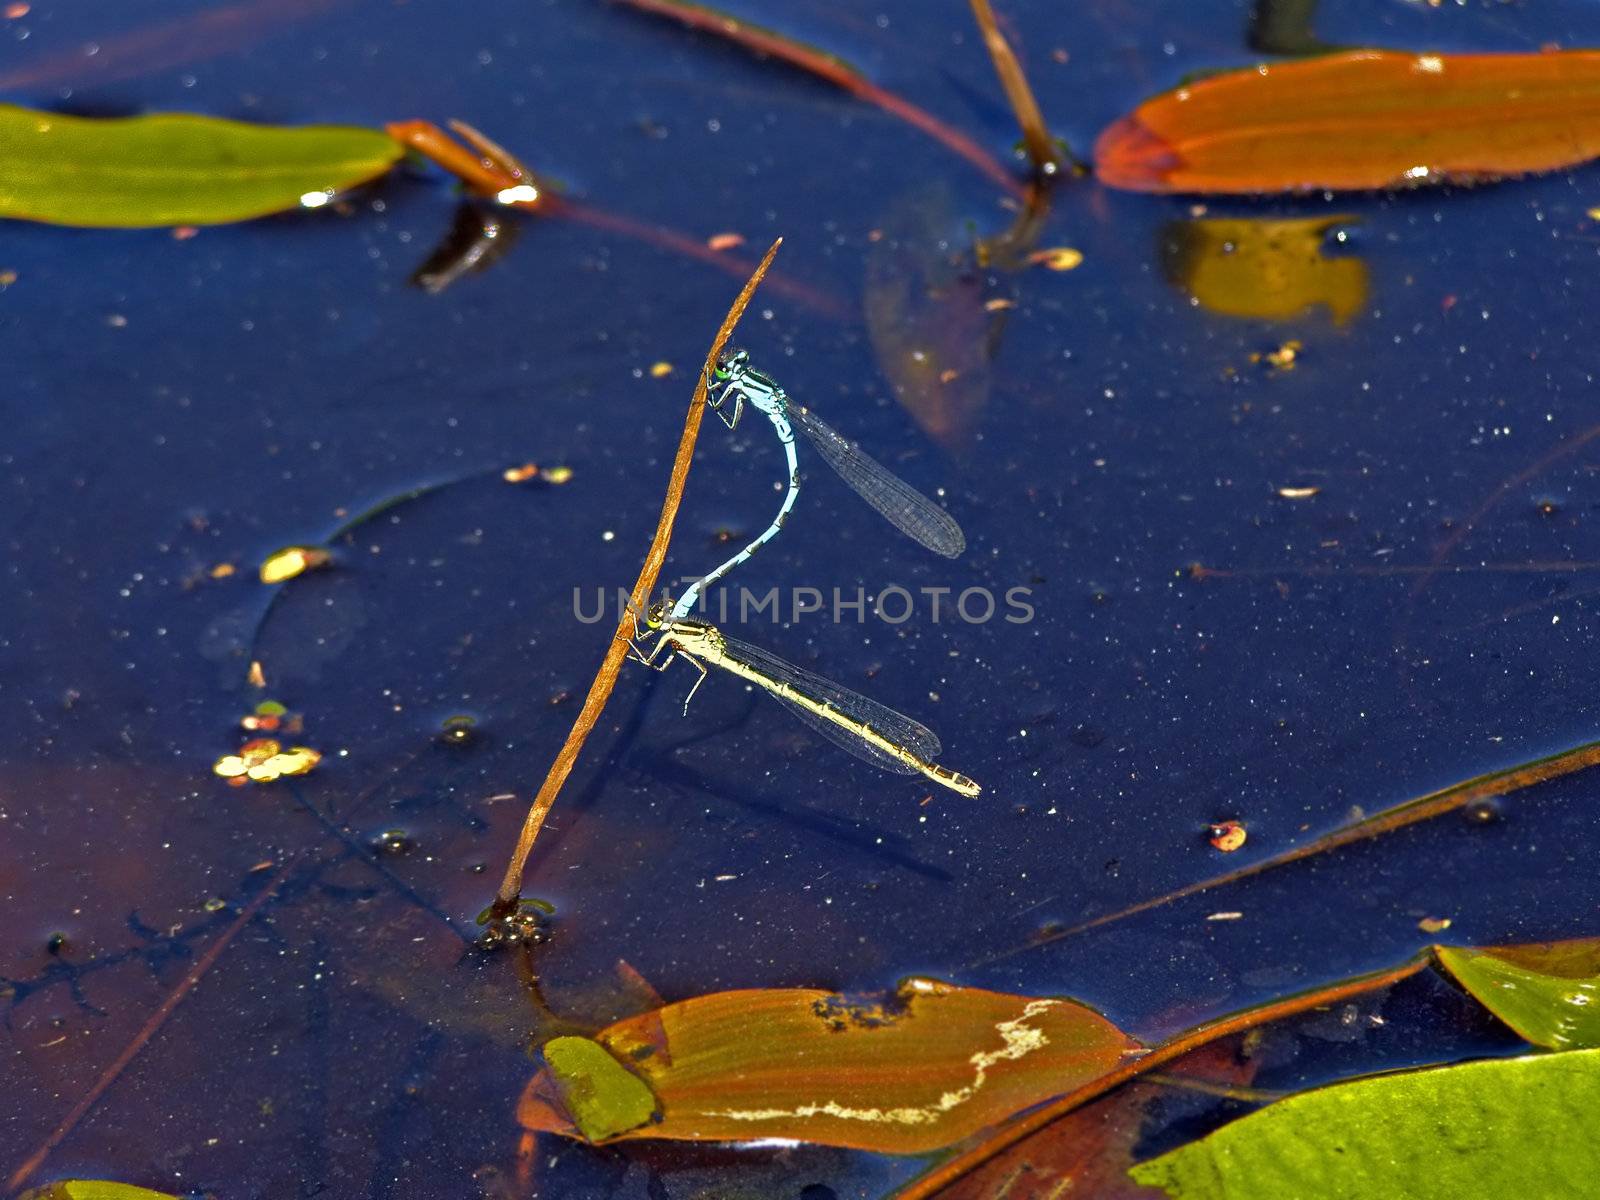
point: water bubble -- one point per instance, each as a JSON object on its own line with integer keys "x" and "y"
{"x": 458, "y": 730}
{"x": 394, "y": 841}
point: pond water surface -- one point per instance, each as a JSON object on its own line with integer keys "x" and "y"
{"x": 1396, "y": 532}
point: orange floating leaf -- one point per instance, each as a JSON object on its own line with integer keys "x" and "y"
{"x": 1358, "y": 120}
{"x": 933, "y": 1064}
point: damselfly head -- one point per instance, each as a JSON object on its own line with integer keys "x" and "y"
{"x": 729, "y": 363}
{"x": 656, "y": 616}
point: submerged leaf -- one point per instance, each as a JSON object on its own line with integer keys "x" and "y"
{"x": 175, "y": 168}
{"x": 925, "y": 309}
{"x": 927, "y": 1069}
{"x": 1549, "y": 992}
{"x": 1358, "y": 120}
{"x": 1265, "y": 269}
{"x": 1476, "y": 1131}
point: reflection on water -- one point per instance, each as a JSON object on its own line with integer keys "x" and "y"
{"x": 1268, "y": 269}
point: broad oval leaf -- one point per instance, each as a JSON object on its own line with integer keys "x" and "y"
{"x": 174, "y": 168}
{"x": 1476, "y": 1131}
{"x": 1359, "y": 120}
{"x": 92, "y": 1189}
{"x": 929, "y": 1067}
{"x": 1549, "y": 992}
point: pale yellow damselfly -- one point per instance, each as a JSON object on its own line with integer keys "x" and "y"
{"x": 867, "y": 729}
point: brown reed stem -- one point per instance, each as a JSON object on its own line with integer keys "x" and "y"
{"x": 605, "y": 680}
{"x": 1042, "y": 148}
{"x": 835, "y": 71}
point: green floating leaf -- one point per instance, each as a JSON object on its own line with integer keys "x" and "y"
{"x": 92, "y": 1189}
{"x": 1477, "y": 1131}
{"x": 603, "y": 1096}
{"x": 902, "y": 1075}
{"x": 1549, "y": 992}
{"x": 174, "y": 169}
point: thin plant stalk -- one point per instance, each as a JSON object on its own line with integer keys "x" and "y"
{"x": 1043, "y": 150}
{"x": 509, "y": 895}
{"x": 1422, "y": 808}
{"x": 492, "y": 172}
{"x": 827, "y": 67}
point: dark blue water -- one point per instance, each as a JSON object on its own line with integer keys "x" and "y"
{"x": 173, "y": 405}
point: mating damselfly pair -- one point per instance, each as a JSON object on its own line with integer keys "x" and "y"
{"x": 865, "y": 728}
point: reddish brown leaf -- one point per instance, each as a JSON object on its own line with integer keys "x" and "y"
{"x": 1088, "y": 1152}
{"x": 934, "y": 1064}
{"x": 1361, "y": 119}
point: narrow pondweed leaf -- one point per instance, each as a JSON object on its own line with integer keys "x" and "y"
{"x": 1549, "y": 992}
{"x": 1268, "y": 270}
{"x": 1358, "y": 120}
{"x": 1476, "y": 1131}
{"x": 928, "y": 1067}
{"x": 175, "y": 168}
{"x": 92, "y": 1189}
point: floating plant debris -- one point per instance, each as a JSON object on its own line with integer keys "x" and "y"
{"x": 262, "y": 760}
{"x": 1226, "y": 836}
{"x": 1061, "y": 258}
{"x": 283, "y": 565}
